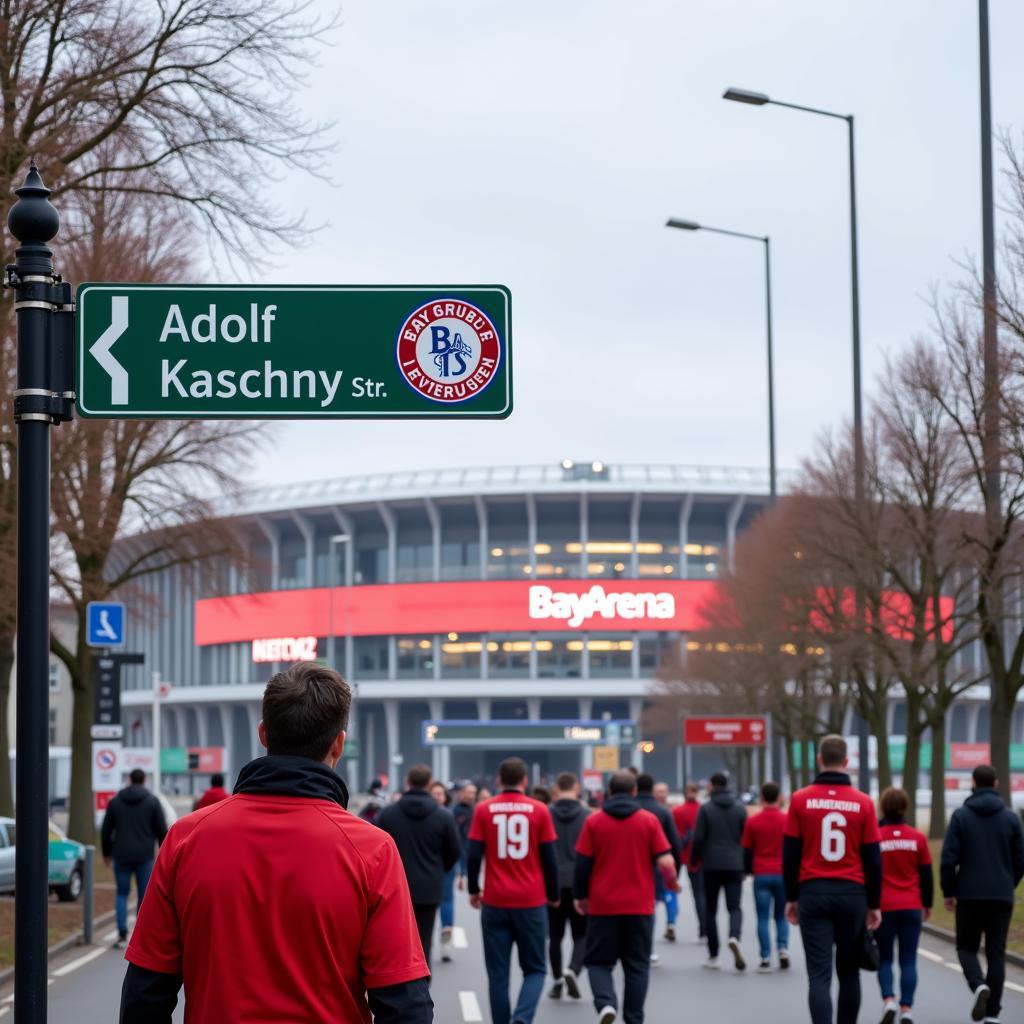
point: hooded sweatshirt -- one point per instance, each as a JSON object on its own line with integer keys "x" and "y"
{"x": 648, "y": 802}
{"x": 133, "y": 826}
{"x": 717, "y": 835}
{"x": 983, "y": 853}
{"x": 427, "y": 839}
{"x": 568, "y": 816}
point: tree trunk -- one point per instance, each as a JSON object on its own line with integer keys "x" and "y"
{"x": 911, "y": 768}
{"x": 6, "y": 670}
{"x": 937, "y": 826}
{"x": 1000, "y": 716}
{"x": 877, "y": 724}
{"x": 81, "y": 817}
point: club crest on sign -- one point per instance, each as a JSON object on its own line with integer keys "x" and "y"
{"x": 448, "y": 350}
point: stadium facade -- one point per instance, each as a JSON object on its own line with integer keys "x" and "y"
{"x": 516, "y": 596}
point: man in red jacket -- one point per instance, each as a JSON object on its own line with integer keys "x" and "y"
{"x": 685, "y": 817}
{"x": 277, "y": 904}
{"x": 214, "y": 794}
{"x": 762, "y": 853}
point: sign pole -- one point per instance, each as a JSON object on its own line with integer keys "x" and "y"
{"x": 33, "y": 222}
{"x": 157, "y": 715}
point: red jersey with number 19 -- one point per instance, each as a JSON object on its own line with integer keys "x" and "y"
{"x": 832, "y": 820}
{"x": 512, "y": 826}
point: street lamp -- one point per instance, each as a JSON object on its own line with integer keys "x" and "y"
{"x": 334, "y": 541}
{"x": 691, "y": 225}
{"x": 760, "y": 99}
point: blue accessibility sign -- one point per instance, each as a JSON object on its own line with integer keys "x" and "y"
{"x": 105, "y": 624}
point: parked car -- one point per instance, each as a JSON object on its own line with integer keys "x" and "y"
{"x": 66, "y": 862}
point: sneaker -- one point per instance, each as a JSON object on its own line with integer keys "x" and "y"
{"x": 889, "y": 1011}
{"x": 981, "y": 994}
{"x": 446, "y": 945}
{"x": 764, "y": 967}
{"x": 670, "y": 933}
{"x": 712, "y": 963}
{"x": 737, "y": 955}
{"x": 555, "y": 991}
{"x": 607, "y": 1015}
{"x": 572, "y": 985}
{"x": 122, "y": 940}
{"x": 655, "y": 960}
{"x": 783, "y": 960}
{"x": 906, "y": 1015}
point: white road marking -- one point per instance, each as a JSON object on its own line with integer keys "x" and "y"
{"x": 1013, "y": 986}
{"x": 929, "y": 955}
{"x": 470, "y": 1008}
{"x": 80, "y": 962}
{"x": 6, "y": 1009}
{"x": 952, "y": 966}
{"x": 459, "y": 938}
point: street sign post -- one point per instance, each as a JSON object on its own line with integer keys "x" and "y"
{"x": 294, "y": 351}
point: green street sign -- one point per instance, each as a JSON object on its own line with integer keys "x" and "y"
{"x": 351, "y": 751}
{"x": 174, "y": 760}
{"x": 294, "y": 351}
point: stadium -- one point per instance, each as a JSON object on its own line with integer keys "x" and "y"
{"x": 477, "y": 612}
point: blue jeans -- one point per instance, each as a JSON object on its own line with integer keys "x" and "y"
{"x": 448, "y": 900}
{"x": 903, "y": 926}
{"x": 123, "y": 872}
{"x": 766, "y": 889}
{"x": 670, "y": 899}
{"x": 527, "y": 928}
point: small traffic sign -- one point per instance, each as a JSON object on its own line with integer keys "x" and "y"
{"x": 105, "y": 624}
{"x": 106, "y": 773}
{"x": 293, "y": 351}
{"x": 106, "y": 732}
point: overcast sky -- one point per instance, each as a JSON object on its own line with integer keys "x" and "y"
{"x": 542, "y": 145}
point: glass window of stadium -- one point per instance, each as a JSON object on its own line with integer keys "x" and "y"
{"x": 508, "y": 656}
{"x": 292, "y": 572}
{"x": 371, "y": 657}
{"x": 705, "y": 540}
{"x": 508, "y": 540}
{"x": 558, "y": 538}
{"x": 415, "y": 657}
{"x": 415, "y": 546}
{"x": 658, "y": 548}
{"x": 460, "y": 542}
{"x": 609, "y": 549}
{"x": 460, "y": 655}
{"x": 559, "y": 656}
{"x": 609, "y": 656}
{"x": 371, "y": 548}
{"x": 655, "y": 650}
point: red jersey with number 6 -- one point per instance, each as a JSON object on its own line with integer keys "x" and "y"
{"x": 512, "y": 826}
{"x": 833, "y": 821}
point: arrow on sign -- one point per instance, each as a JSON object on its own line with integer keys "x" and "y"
{"x": 100, "y": 351}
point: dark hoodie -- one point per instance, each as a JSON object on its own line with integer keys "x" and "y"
{"x": 427, "y": 839}
{"x": 568, "y": 816}
{"x": 717, "y": 835}
{"x": 983, "y": 853}
{"x": 133, "y": 826}
{"x": 648, "y": 802}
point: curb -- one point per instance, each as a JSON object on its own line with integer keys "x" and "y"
{"x": 75, "y": 940}
{"x": 947, "y": 936}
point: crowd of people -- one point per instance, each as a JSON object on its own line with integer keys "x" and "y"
{"x": 336, "y": 915}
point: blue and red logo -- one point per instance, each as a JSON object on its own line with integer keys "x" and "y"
{"x": 449, "y": 350}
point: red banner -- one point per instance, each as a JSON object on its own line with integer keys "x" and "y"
{"x": 968, "y": 755}
{"x": 725, "y": 731}
{"x": 513, "y": 606}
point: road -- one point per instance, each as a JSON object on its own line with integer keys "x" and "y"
{"x": 85, "y": 985}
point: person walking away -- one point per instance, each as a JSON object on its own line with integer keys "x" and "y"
{"x": 133, "y": 827}
{"x": 907, "y": 891}
{"x": 762, "y": 845}
{"x": 648, "y": 800}
{"x": 428, "y": 843}
{"x": 513, "y": 836}
{"x": 685, "y": 817}
{"x": 617, "y": 849}
{"x": 375, "y": 801}
{"x": 982, "y": 865}
{"x": 214, "y": 794}
{"x": 462, "y": 810}
{"x": 440, "y": 793}
{"x": 832, "y": 867}
{"x": 277, "y": 903}
{"x": 716, "y": 846}
{"x": 567, "y": 815}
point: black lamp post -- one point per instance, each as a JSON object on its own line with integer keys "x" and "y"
{"x": 760, "y": 99}
{"x": 689, "y": 225}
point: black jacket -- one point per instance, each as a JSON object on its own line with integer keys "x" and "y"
{"x": 716, "y": 837}
{"x": 133, "y": 826}
{"x": 427, "y": 839}
{"x": 668, "y": 825}
{"x": 983, "y": 853}
{"x": 568, "y": 817}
